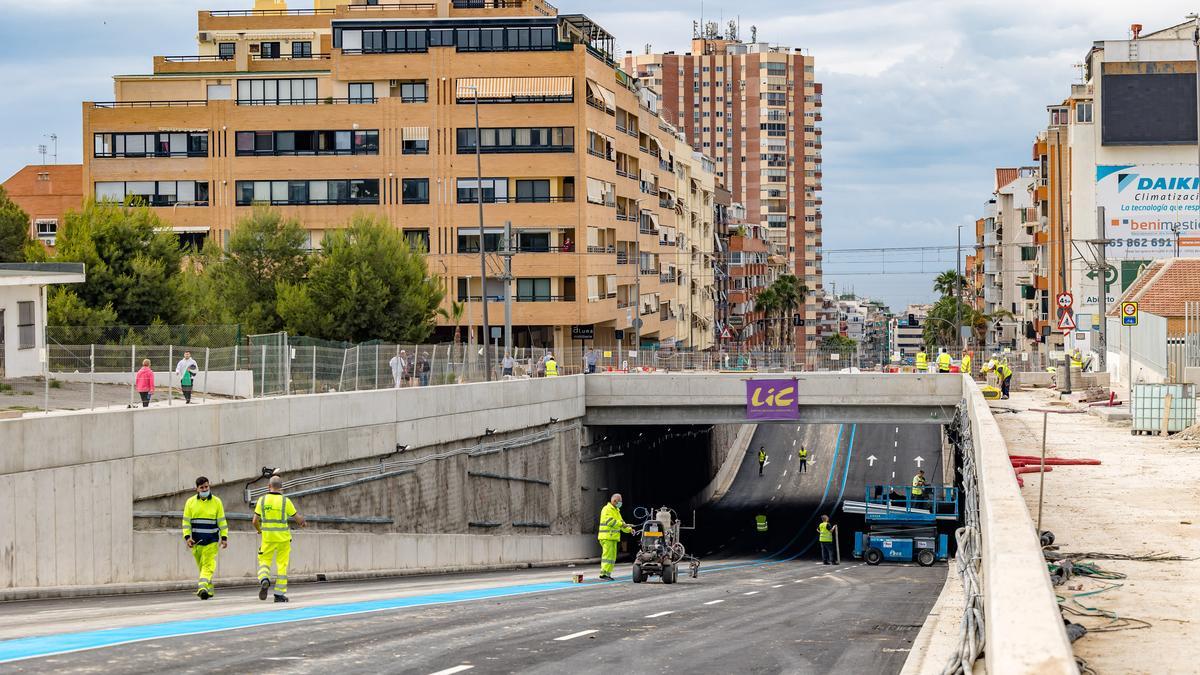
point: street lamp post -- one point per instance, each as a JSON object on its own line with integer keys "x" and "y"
{"x": 487, "y": 355}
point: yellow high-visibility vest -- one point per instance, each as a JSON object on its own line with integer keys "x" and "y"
{"x": 918, "y": 486}
{"x": 943, "y": 362}
{"x": 611, "y": 524}
{"x": 966, "y": 363}
{"x": 824, "y": 533}
{"x": 922, "y": 360}
{"x": 273, "y": 511}
{"x": 552, "y": 368}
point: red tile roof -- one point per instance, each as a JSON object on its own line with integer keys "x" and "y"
{"x": 1165, "y": 287}
{"x": 1005, "y": 176}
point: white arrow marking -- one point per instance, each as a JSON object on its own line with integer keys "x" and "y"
{"x": 918, "y": 460}
{"x": 872, "y": 459}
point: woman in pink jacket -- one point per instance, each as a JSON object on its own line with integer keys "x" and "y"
{"x": 144, "y": 383}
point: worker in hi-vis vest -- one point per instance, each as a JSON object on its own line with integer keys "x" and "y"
{"x": 966, "y": 363}
{"x": 921, "y": 360}
{"x": 802, "y": 454}
{"x": 825, "y": 538}
{"x": 551, "y": 366}
{"x": 611, "y": 527}
{"x": 762, "y": 458}
{"x": 944, "y": 361}
{"x": 271, "y": 515}
{"x": 204, "y": 529}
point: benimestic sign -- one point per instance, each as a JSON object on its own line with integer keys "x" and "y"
{"x": 1149, "y": 207}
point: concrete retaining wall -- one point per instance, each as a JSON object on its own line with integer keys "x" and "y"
{"x": 1024, "y": 628}
{"x": 238, "y": 384}
{"x": 68, "y": 482}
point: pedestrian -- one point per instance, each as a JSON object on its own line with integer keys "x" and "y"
{"x": 609, "y": 534}
{"x": 507, "y": 365}
{"x": 802, "y": 454}
{"x": 186, "y": 362}
{"x": 921, "y": 360}
{"x": 918, "y": 486}
{"x": 762, "y": 458}
{"x": 271, "y": 515}
{"x": 943, "y": 360}
{"x": 966, "y": 363}
{"x": 399, "y": 366}
{"x": 591, "y": 358}
{"x": 204, "y": 530}
{"x": 144, "y": 382}
{"x": 825, "y": 538}
{"x": 423, "y": 368}
{"x": 551, "y": 366}
{"x": 186, "y": 382}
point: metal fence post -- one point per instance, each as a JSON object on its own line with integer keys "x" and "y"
{"x": 376, "y": 366}
{"x": 206, "y": 354}
{"x": 92, "y": 381}
{"x": 357, "y": 365}
{"x": 262, "y": 379}
{"x": 314, "y": 369}
{"x": 235, "y": 372}
{"x": 133, "y": 372}
{"x": 170, "y": 374}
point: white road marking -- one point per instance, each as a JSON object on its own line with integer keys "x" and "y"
{"x": 714, "y": 602}
{"x": 897, "y": 429}
{"x": 785, "y": 470}
{"x": 572, "y": 636}
{"x": 896, "y": 444}
{"x": 778, "y": 586}
{"x": 793, "y": 442}
{"x": 779, "y": 486}
{"x": 798, "y": 428}
{"x": 655, "y": 616}
{"x": 751, "y": 593}
{"x": 893, "y": 458}
{"x": 797, "y": 581}
{"x": 772, "y": 498}
{"x": 893, "y": 474}
{"x": 451, "y": 671}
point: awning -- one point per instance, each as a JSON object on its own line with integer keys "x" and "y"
{"x": 513, "y": 87}
{"x": 602, "y": 94}
{"x": 670, "y": 194}
{"x": 653, "y": 219}
{"x": 595, "y": 190}
{"x": 190, "y": 229}
{"x": 416, "y": 133}
{"x": 655, "y": 145}
{"x": 648, "y": 177}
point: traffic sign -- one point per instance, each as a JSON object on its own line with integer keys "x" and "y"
{"x": 1065, "y": 300}
{"x": 1129, "y": 314}
{"x": 1066, "y": 321}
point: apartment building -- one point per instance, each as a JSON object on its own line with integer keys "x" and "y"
{"x": 46, "y": 192}
{"x": 341, "y": 107}
{"x": 908, "y": 331}
{"x": 1009, "y": 260}
{"x": 751, "y": 272}
{"x": 756, "y": 108}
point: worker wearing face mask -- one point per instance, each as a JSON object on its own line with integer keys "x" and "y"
{"x": 204, "y": 529}
{"x": 611, "y": 527}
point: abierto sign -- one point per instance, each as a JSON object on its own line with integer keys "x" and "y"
{"x": 1150, "y": 208}
{"x": 774, "y": 399}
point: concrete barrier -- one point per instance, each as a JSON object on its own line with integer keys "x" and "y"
{"x": 238, "y": 384}
{"x": 1024, "y": 627}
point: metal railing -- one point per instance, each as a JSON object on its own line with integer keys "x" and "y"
{"x": 150, "y": 104}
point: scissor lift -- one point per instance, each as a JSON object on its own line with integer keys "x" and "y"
{"x": 901, "y": 526}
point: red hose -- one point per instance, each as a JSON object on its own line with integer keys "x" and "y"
{"x": 1032, "y": 469}
{"x": 1053, "y": 461}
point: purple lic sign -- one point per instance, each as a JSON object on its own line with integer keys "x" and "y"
{"x": 771, "y": 400}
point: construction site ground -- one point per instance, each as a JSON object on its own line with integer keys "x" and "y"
{"x": 1143, "y": 499}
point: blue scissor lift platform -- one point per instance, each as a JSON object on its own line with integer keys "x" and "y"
{"x": 902, "y": 526}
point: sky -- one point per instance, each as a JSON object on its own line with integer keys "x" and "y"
{"x": 922, "y": 98}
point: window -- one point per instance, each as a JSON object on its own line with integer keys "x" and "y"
{"x": 533, "y": 290}
{"x": 362, "y": 92}
{"x": 414, "y": 91}
{"x": 268, "y": 50}
{"x": 415, "y": 147}
{"x": 26, "y": 334}
{"x": 1083, "y": 113}
{"x": 418, "y": 240}
{"x": 518, "y": 139}
{"x": 178, "y": 144}
{"x": 775, "y": 69}
{"x": 601, "y": 192}
{"x": 393, "y": 41}
{"x": 288, "y": 143}
{"x": 47, "y": 229}
{"x": 505, "y": 39}
{"x": 302, "y": 50}
{"x": 441, "y": 37}
{"x": 415, "y": 191}
{"x": 307, "y": 192}
{"x": 777, "y": 130}
{"x": 533, "y": 191}
{"x": 225, "y": 50}
{"x": 495, "y": 190}
{"x": 154, "y": 193}
{"x": 297, "y": 91}
{"x": 468, "y": 240}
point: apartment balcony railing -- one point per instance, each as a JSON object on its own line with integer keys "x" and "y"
{"x": 149, "y": 104}
{"x": 488, "y": 4}
{"x": 648, "y": 272}
{"x": 269, "y": 12}
{"x": 545, "y": 298}
{"x": 601, "y": 249}
{"x": 316, "y": 56}
{"x": 646, "y": 229}
{"x": 200, "y": 58}
{"x": 329, "y": 100}
{"x": 625, "y": 174}
{"x": 666, "y": 278}
{"x": 412, "y": 7}
{"x": 623, "y": 258}
{"x": 513, "y": 199}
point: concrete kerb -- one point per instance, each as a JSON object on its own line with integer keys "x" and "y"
{"x": 1024, "y": 629}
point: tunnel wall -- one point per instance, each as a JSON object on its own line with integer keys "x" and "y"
{"x": 69, "y": 482}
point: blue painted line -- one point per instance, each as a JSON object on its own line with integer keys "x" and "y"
{"x": 841, "y": 492}
{"x": 50, "y": 645}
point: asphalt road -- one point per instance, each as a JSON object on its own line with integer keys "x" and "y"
{"x": 760, "y": 604}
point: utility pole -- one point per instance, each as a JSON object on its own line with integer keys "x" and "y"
{"x": 958, "y": 297}
{"x": 1102, "y": 259}
{"x": 1062, "y": 268}
{"x": 1196, "y": 42}
{"x": 487, "y": 337}
{"x": 637, "y": 290}
{"x": 507, "y": 251}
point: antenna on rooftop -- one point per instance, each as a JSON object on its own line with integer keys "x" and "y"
{"x": 53, "y": 139}
{"x": 42, "y": 151}
{"x": 753, "y": 34}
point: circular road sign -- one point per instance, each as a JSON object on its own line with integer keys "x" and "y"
{"x": 1129, "y": 308}
{"x": 1065, "y": 300}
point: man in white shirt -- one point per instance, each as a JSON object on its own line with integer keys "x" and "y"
{"x": 186, "y": 362}
{"x": 399, "y": 366}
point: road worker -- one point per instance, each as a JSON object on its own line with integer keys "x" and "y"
{"x": 204, "y": 529}
{"x": 760, "y": 523}
{"x": 921, "y": 360}
{"x": 966, "y": 363}
{"x": 609, "y": 534}
{"x": 551, "y": 366}
{"x": 802, "y": 454}
{"x": 1077, "y": 358}
{"x": 762, "y": 458}
{"x": 943, "y": 361}
{"x": 1003, "y": 372}
{"x": 825, "y": 538}
{"x": 271, "y": 515}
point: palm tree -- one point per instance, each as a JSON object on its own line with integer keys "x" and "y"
{"x": 456, "y": 313}
{"x": 768, "y": 303}
{"x": 948, "y": 283}
{"x": 791, "y": 292}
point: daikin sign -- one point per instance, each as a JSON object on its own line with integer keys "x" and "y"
{"x": 1151, "y": 210}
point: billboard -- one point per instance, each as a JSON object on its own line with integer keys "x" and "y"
{"x": 771, "y": 400}
{"x": 1151, "y": 210}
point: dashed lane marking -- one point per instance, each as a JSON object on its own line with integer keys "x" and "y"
{"x": 451, "y": 671}
{"x": 572, "y": 636}
{"x": 751, "y": 593}
{"x": 785, "y": 470}
{"x": 777, "y": 586}
{"x": 714, "y": 602}
{"x": 779, "y": 486}
{"x": 658, "y": 614}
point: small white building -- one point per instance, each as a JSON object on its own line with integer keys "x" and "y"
{"x": 23, "y": 313}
